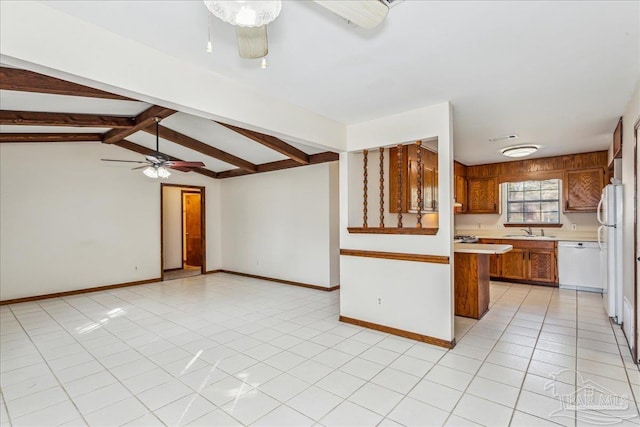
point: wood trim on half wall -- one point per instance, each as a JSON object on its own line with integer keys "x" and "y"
{"x": 434, "y": 259}
{"x": 271, "y": 279}
{"x": 400, "y": 332}
{"x": 80, "y": 291}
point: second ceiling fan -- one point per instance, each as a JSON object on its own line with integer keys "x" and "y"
{"x": 158, "y": 164}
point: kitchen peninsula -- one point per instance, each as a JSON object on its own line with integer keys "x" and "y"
{"x": 471, "y": 277}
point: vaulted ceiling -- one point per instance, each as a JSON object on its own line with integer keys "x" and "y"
{"x": 35, "y": 108}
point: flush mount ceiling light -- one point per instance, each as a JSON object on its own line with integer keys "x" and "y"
{"x": 521, "y": 151}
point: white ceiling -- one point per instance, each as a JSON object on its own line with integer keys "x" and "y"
{"x": 558, "y": 74}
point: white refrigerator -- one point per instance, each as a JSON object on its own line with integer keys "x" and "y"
{"x": 610, "y": 243}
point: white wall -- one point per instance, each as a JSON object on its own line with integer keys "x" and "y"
{"x": 282, "y": 225}
{"x": 70, "y": 221}
{"x": 630, "y": 117}
{"x": 414, "y": 296}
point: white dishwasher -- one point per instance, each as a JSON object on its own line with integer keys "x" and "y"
{"x": 579, "y": 266}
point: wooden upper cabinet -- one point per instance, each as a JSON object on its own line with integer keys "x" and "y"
{"x": 617, "y": 140}
{"x": 582, "y": 189}
{"x": 409, "y": 172}
{"x": 483, "y": 195}
{"x": 460, "y": 192}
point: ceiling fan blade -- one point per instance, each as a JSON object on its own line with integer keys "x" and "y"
{"x": 181, "y": 169}
{"x": 252, "y": 42}
{"x": 141, "y": 167}
{"x": 179, "y": 164}
{"x": 123, "y": 161}
{"x": 364, "y": 13}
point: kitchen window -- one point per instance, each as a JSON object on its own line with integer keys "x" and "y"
{"x": 533, "y": 202}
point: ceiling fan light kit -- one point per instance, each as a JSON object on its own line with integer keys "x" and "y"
{"x": 521, "y": 151}
{"x": 245, "y": 13}
{"x": 250, "y": 17}
{"x": 157, "y": 172}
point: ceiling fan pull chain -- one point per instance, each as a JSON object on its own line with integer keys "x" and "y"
{"x": 209, "y": 44}
{"x": 157, "y": 135}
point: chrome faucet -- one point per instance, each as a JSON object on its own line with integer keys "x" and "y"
{"x": 528, "y": 231}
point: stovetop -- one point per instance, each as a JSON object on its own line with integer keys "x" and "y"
{"x": 465, "y": 239}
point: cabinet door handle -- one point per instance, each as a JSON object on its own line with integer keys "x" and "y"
{"x": 523, "y": 255}
{"x": 495, "y": 207}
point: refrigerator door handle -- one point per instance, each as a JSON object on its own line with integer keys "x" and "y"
{"x": 599, "y": 211}
{"x": 599, "y": 239}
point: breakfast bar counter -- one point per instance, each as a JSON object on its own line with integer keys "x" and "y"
{"x": 471, "y": 277}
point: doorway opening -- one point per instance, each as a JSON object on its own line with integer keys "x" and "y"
{"x": 183, "y": 247}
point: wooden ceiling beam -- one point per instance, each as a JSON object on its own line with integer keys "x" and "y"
{"x": 49, "y": 137}
{"x": 28, "y": 81}
{"x": 149, "y": 152}
{"x": 32, "y": 118}
{"x": 327, "y": 156}
{"x": 141, "y": 121}
{"x": 272, "y": 142}
{"x": 201, "y": 147}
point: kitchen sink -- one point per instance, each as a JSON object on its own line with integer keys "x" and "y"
{"x": 529, "y": 236}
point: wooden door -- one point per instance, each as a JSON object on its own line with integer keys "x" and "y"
{"x": 483, "y": 195}
{"x": 513, "y": 264}
{"x": 192, "y": 228}
{"x": 582, "y": 189}
{"x": 542, "y": 266}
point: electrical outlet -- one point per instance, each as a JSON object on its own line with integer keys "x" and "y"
{"x": 574, "y": 227}
{"x": 379, "y": 301}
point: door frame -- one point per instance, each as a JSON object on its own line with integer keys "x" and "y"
{"x": 635, "y": 238}
{"x": 203, "y": 225}
{"x": 182, "y": 193}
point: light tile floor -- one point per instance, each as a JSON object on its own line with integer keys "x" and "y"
{"x": 225, "y": 350}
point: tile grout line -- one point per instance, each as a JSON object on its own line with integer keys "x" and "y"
{"x": 485, "y": 358}
{"x": 52, "y": 373}
{"x": 524, "y": 378}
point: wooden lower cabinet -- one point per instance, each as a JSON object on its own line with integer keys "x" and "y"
{"x": 528, "y": 261}
{"x": 513, "y": 264}
{"x": 494, "y": 260}
{"x": 471, "y": 285}
{"x": 542, "y": 266}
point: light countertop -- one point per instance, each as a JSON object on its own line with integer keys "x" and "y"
{"x": 480, "y": 248}
{"x": 553, "y": 235}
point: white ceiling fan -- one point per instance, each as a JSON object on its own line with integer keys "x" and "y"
{"x": 250, "y": 17}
